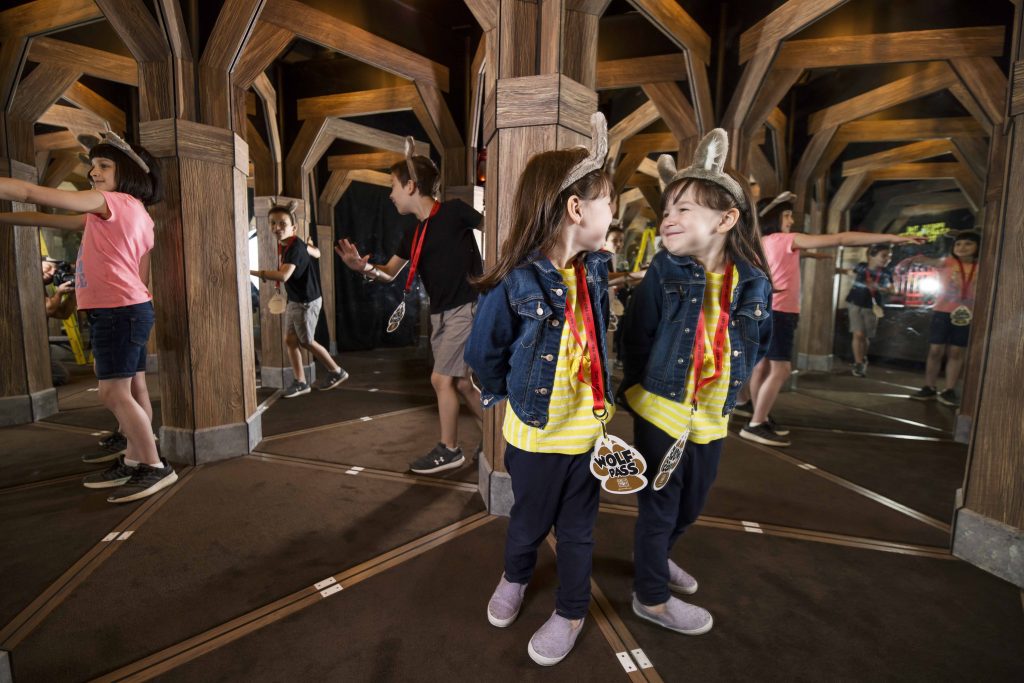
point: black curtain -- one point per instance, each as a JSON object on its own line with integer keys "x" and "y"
{"x": 366, "y": 216}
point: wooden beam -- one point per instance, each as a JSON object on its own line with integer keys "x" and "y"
{"x": 765, "y": 174}
{"x": 881, "y": 48}
{"x": 626, "y": 168}
{"x": 90, "y": 61}
{"x": 747, "y": 89}
{"x": 845, "y": 197}
{"x": 335, "y": 186}
{"x": 137, "y": 29}
{"x": 928, "y": 209}
{"x": 934, "y": 77}
{"x": 40, "y": 89}
{"x": 700, "y": 94}
{"x": 785, "y": 21}
{"x": 369, "y": 160}
{"x": 485, "y": 12}
{"x": 974, "y": 153}
{"x": 635, "y": 121}
{"x": 648, "y": 143}
{"x": 90, "y": 100}
{"x": 895, "y": 130}
{"x": 776, "y": 84}
{"x": 915, "y": 171}
{"x": 986, "y": 82}
{"x": 62, "y": 139}
{"x": 674, "y": 109}
{"x": 672, "y": 20}
{"x": 966, "y": 98}
{"x": 361, "y": 103}
{"x": 61, "y": 166}
{"x": 915, "y": 151}
{"x": 434, "y": 105}
{"x": 330, "y": 32}
{"x": 43, "y": 16}
{"x": 177, "y": 34}
{"x": 633, "y": 73}
{"x": 235, "y": 23}
{"x": 268, "y": 97}
{"x": 370, "y": 177}
{"x": 76, "y": 120}
{"x": 268, "y": 41}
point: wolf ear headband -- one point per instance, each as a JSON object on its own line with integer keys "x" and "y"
{"x": 410, "y": 152}
{"x": 114, "y": 140}
{"x": 786, "y": 196}
{"x": 708, "y": 164}
{"x": 598, "y": 151}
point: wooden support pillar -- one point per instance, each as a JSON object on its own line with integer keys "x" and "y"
{"x": 533, "y": 103}
{"x": 325, "y": 242}
{"x": 817, "y": 307}
{"x": 275, "y": 367}
{"x": 988, "y": 530}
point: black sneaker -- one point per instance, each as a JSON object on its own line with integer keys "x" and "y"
{"x": 333, "y": 379}
{"x": 776, "y": 427}
{"x": 924, "y": 394}
{"x": 763, "y": 434}
{"x": 744, "y": 409}
{"x": 438, "y": 460}
{"x": 145, "y": 481}
{"x": 860, "y": 370}
{"x": 296, "y": 389}
{"x": 948, "y": 398}
{"x": 115, "y": 475}
{"x": 102, "y": 456}
{"x": 114, "y": 443}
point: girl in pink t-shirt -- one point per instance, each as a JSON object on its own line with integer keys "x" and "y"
{"x": 784, "y": 249}
{"x": 110, "y": 282}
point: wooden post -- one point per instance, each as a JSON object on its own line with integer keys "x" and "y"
{"x": 817, "y": 308}
{"x": 539, "y": 96}
{"x": 325, "y": 242}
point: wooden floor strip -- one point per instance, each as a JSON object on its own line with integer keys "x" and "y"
{"x": 369, "y": 472}
{"x": 42, "y": 483}
{"x": 29, "y": 618}
{"x": 61, "y": 427}
{"x": 332, "y": 425}
{"x": 902, "y": 420}
{"x": 215, "y": 638}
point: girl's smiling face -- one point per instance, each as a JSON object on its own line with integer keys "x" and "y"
{"x": 965, "y": 250}
{"x": 687, "y": 228}
{"x": 103, "y": 174}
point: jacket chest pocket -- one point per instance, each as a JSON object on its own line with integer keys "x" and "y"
{"x": 676, "y": 302}
{"x": 535, "y": 314}
{"x": 749, "y": 318}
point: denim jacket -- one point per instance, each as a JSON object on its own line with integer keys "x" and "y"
{"x": 513, "y": 348}
{"x": 661, "y": 322}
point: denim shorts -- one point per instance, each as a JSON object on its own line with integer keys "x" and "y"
{"x": 943, "y": 331}
{"x": 119, "y": 337}
{"x": 783, "y": 333}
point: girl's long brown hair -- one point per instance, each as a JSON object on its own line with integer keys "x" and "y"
{"x": 743, "y": 242}
{"x": 539, "y": 208}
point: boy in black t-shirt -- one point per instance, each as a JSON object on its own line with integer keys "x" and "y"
{"x": 302, "y": 284}
{"x": 872, "y": 279}
{"x": 443, "y": 250}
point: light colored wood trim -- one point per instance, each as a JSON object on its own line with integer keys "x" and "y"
{"x": 785, "y": 21}
{"x": 671, "y": 19}
{"x": 369, "y": 160}
{"x": 42, "y": 16}
{"x": 882, "y": 48}
{"x": 361, "y": 103}
{"x": 40, "y": 89}
{"x": 90, "y": 61}
{"x": 934, "y": 77}
{"x": 334, "y": 188}
{"x": 650, "y": 142}
{"x": 633, "y": 73}
{"x": 370, "y": 177}
{"x": 62, "y": 139}
{"x": 894, "y": 130}
{"x": 917, "y": 171}
{"x": 268, "y": 41}
{"x": 915, "y": 151}
{"x": 90, "y": 100}
{"x": 675, "y": 110}
{"x": 485, "y": 12}
{"x": 136, "y": 28}
{"x": 329, "y": 31}
{"x": 76, "y": 120}
{"x": 635, "y": 121}
{"x": 268, "y": 97}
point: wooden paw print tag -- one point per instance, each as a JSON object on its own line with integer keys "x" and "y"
{"x": 619, "y": 467}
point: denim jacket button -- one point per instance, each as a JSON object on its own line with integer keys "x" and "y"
{"x": 735, "y": 353}
{"x": 733, "y": 323}
{"x": 687, "y": 330}
{"x": 693, "y": 300}
{"x": 681, "y": 361}
{"x": 672, "y": 394}
{"x": 736, "y": 383}
{"x": 558, "y": 292}
{"x": 543, "y": 391}
{"x": 554, "y": 323}
{"x": 540, "y": 310}
{"x": 535, "y": 422}
{"x": 549, "y": 357}
{"x": 486, "y": 401}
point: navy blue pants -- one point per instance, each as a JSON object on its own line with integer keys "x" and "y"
{"x": 664, "y": 515}
{"x": 552, "y": 489}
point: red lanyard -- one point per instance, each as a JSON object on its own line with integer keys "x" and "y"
{"x": 417, "y": 245}
{"x": 591, "y": 348}
{"x": 965, "y": 282}
{"x": 868, "y": 280}
{"x": 718, "y": 344}
{"x": 282, "y": 247}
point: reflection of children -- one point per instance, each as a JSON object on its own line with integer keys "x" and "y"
{"x": 705, "y": 297}
{"x": 539, "y": 340}
{"x": 871, "y": 280}
{"x": 951, "y": 317}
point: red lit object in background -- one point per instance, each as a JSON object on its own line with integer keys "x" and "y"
{"x": 915, "y": 285}
{"x": 481, "y": 167}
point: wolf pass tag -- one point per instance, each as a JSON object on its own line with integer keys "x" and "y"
{"x": 619, "y": 466}
{"x": 277, "y": 304}
{"x": 670, "y": 462}
{"x": 396, "y": 318}
{"x": 961, "y": 316}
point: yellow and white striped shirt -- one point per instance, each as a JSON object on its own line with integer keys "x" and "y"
{"x": 571, "y": 426}
{"x": 671, "y": 417}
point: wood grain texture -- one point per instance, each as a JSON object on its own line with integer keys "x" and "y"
{"x": 435, "y": 105}
{"x": 190, "y": 140}
{"x": 542, "y": 100}
{"x": 748, "y": 88}
{"x": 1017, "y": 89}
{"x": 76, "y": 120}
{"x": 63, "y": 139}
{"x": 370, "y": 177}
{"x": 40, "y": 89}
{"x": 916, "y": 171}
{"x": 776, "y": 84}
{"x": 966, "y": 98}
{"x": 790, "y": 18}
{"x": 674, "y": 108}
{"x": 803, "y": 174}
{"x": 517, "y": 48}
{"x": 263, "y": 175}
{"x": 650, "y": 142}
{"x": 268, "y": 99}
{"x": 579, "y": 47}
{"x": 764, "y": 172}
{"x": 326, "y": 30}
{"x": 915, "y": 151}
{"x": 485, "y": 12}
{"x": 361, "y": 103}
{"x": 368, "y": 160}
{"x": 895, "y": 130}
{"x": 88, "y": 99}
{"x": 700, "y": 94}
{"x": 986, "y": 82}
{"x": 267, "y": 42}
{"x": 881, "y": 48}
{"x": 41, "y": 16}
{"x": 974, "y": 153}
{"x": 633, "y": 123}
{"x": 934, "y": 77}
{"x": 672, "y": 20}
{"x": 243, "y": 302}
{"x": 61, "y": 166}
{"x": 632, "y": 73}
{"x": 625, "y": 169}
{"x": 845, "y": 197}
{"x": 137, "y": 29}
{"x": 177, "y": 33}
{"x": 90, "y": 61}
{"x": 333, "y": 189}
{"x": 156, "y": 95}
{"x": 235, "y": 23}
{"x": 12, "y": 60}
{"x": 325, "y": 242}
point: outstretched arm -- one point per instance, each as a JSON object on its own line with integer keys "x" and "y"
{"x": 44, "y": 220}
{"x": 87, "y": 201}
{"x": 281, "y": 275}
{"x": 351, "y": 257}
{"x": 852, "y": 239}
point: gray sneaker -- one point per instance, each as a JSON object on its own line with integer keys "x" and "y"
{"x": 553, "y": 641}
{"x": 680, "y": 581}
{"x": 145, "y": 481}
{"x": 678, "y": 616}
{"x": 333, "y": 379}
{"x": 296, "y": 389}
{"x": 438, "y": 460}
{"x": 117, "y": 474}
{"x": 504, "y": 606}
